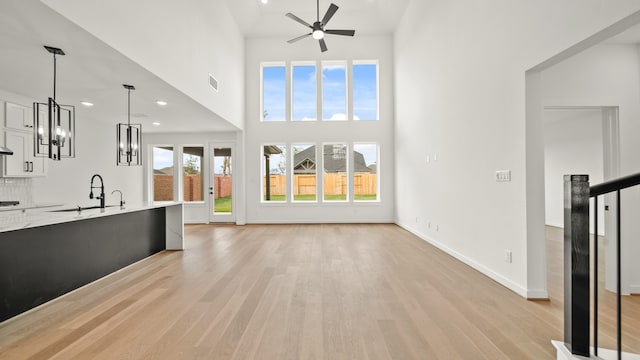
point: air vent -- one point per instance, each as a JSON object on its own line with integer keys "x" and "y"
{"x": 139, "y": 115}
{"x": 213, "y": 82}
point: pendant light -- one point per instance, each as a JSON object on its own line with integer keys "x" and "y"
{"x": 54, "y": 123}
{"x": 129, "y": 137}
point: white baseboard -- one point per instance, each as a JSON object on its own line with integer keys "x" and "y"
{"x": 634, "y": 289}
{"x": 321, "y": 221}
{"x": 525, "y": 293}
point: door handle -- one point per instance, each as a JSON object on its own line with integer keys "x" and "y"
{"x": 26, "y": 166}
{"x": 31, "y": 163}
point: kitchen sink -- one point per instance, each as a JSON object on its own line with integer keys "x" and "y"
{"x": 82, "y": 208}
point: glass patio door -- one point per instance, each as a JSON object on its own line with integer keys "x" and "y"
{"x": 221, "y": 188}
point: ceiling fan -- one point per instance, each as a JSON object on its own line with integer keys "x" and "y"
{"x": 317, "y": 29}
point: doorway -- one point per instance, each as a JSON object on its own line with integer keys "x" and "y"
{"x": 583, "y": 140}
{"x": 221, "y": 184}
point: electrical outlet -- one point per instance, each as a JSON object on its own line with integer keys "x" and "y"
{"x": 437, "y": 227}
{"x": 429, "y": 224}
{"x": 503, "y": 175}
{"x": 508, "y": 256}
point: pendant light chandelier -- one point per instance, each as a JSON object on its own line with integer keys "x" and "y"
{"x": 54, "y": 130}
{"x": 129, "y": 137}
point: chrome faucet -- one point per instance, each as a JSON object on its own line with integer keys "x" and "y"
{"x": 101, "y": 197}
{"x": 121, "y": 201}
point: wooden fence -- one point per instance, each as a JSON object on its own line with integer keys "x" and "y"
{"x": 193, "y": 191}
{"x": 334, "y": 184}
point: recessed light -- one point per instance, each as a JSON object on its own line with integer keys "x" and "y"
{"x": 161, "y": 102}
{"x": 86, "y": 103}
{"x": 155, "y": 123}
{"x": 264, "y": 1}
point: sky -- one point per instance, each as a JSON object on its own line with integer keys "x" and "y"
{"x": 162, "y": 158}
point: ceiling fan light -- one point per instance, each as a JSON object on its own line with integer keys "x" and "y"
{"x": 318, "y": 34}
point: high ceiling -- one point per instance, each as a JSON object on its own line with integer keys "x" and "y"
{"x": 91, "y": 71}
{"x": 367, "y": 17}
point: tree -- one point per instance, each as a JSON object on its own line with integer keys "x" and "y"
{"x": 191, "y": 165}
{"x": 226, "y": 166}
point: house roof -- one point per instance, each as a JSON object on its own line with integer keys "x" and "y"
{"x": 333, "y": 160}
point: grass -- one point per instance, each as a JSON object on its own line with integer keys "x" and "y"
{"x": 223, "y": 204}
{"x": 363, "y": 197}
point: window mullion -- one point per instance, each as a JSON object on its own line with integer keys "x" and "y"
{"x": 319, "y": 116}
{"x": 349, "y": 71}
{"x": 288, "y": 91}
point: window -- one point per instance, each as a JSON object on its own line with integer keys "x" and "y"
{"x": 333, "y": 87}
{"x": 192, "y": 173}
{"x": 365, "y": 91}
{"x": 274, "y": 89}
{"x": 334, "y": 91}
{"x": 274, "y": 170}
{"x": 335, "y": 172}
{"x": 162, "y": 173}
{"x": 304, "y": 172}
{"x": 222, "y": 180}
{"x": 365, "y": 172}
{"x": 304, "y": 92}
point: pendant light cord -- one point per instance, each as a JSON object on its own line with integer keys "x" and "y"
{"x": 129, "y": 109}
{"x": 318, "y": 10}
{"x": 54, "y": 76}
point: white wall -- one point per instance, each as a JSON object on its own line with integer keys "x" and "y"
{"x": 199, "y": 212}
{"x": 179, "y": 41}
{"x": 258, "y": 133}
{"x": 572, "y": 145}
{"x": 460, "y": 93}
{"x": 68, "y": 180}
{"x": 608, "y": 75}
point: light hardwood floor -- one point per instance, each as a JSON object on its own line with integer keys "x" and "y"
{"x": 298, "y": 292}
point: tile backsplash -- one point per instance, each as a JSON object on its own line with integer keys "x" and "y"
{"x": 17, "y": 189}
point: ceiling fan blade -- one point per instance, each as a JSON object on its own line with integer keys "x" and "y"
{"x": 323, "y": 45}
{"x": 341, "y": 32}
{"x": 330, "y": 12}
{"x": 299, "y": 38}
{"x": 295, "y": 18}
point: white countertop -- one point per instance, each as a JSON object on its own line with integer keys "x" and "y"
{"x": 24, "y": 218}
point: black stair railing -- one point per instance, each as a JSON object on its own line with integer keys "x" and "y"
{"x": 577, "y": 258}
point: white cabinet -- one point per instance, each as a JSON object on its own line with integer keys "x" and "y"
{"x": 18, "y": 136}
{"x": 22, "y": 163}
{"x": 18, "y": 117}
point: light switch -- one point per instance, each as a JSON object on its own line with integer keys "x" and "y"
{"x": 503, "y": 175}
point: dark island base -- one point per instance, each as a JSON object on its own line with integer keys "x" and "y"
{"x": 39, "y": 264}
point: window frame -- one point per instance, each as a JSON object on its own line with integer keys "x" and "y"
{"x": 263, "y": 174}
{"x": 291, "y": 84}
{"x": 293, "y": 175}
{"x": 286, "y": 86}
{"x": 321, "y": 88}
{"x": 353, "y": 83}
{"x": 377, "y": 144}
{"x": 202, "y": 173}
{"x": 176, "y": 173}
{"x": 347, "y": 172}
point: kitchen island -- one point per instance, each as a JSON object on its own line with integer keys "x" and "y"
{"x": 47, "y": 253}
